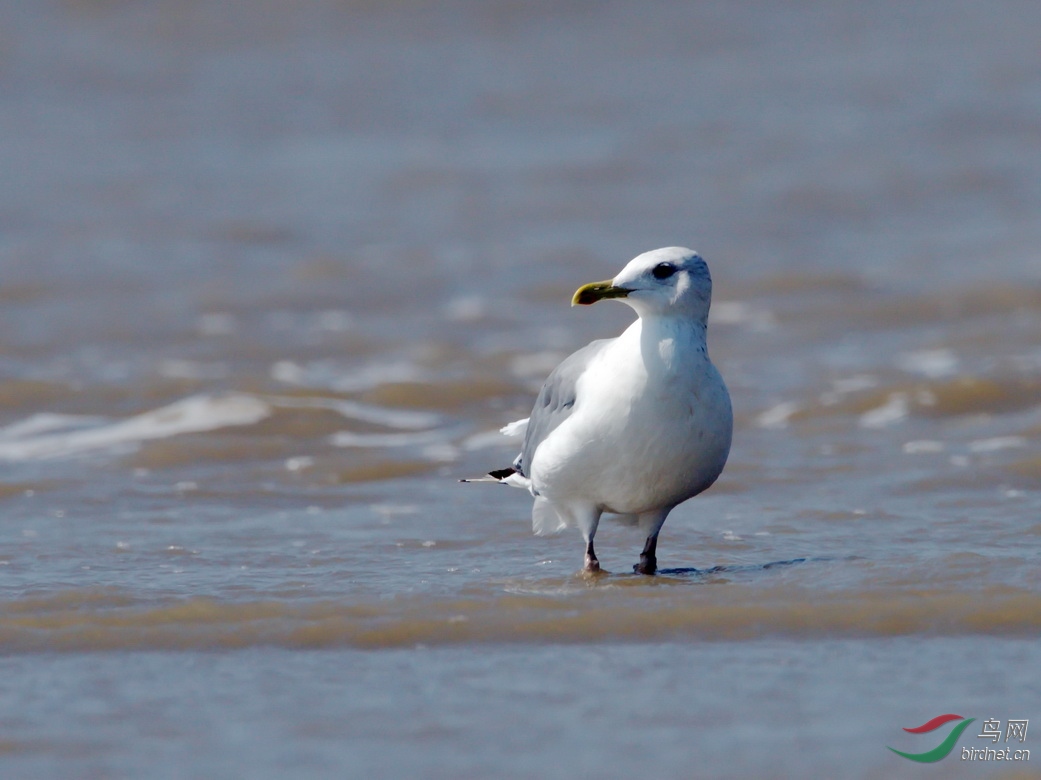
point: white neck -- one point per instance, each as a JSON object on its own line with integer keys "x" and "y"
{"x": 660, "y": 339}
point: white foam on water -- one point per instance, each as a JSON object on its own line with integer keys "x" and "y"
{"x": 363, "y": 440}
{"x": 45, "y": 422}
{"x": 933, "y": 363}
{"x": 45, "y": 436}
{"x": 997, "y": 443}
{"x": 432, "y": 445}
{"x": 777, "y": 416}
{"x": 353, "y": 410}
{"x": 299, "y": 463}
{"x": 891, "y": 412}
{"x": 333, "y": 376}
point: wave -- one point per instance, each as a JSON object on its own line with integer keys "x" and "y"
{"x": 51, "y": 436}
{"x": 46, "y": 436}
{"x": 877, "y": 405}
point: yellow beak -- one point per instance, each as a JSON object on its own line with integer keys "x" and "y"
{"x": 597, "y": 291}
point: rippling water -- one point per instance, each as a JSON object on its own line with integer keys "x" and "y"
{"x": 274, "y": 275}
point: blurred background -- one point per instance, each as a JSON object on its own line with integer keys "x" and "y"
{"x": 272, "y": 274}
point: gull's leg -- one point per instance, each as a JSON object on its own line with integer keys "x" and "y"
{"x": 648, "y": 560}
{"x": 591, "y": 564}
{"x": 587, "y": 518}
{"x": 652, "y": 522}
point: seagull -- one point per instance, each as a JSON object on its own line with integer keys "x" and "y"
{"x": 630, "y": 426}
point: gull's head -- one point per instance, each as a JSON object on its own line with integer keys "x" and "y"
{"x": 669, "y": 281}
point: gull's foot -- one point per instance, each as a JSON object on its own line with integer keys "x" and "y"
{"x": 646, "y": 565}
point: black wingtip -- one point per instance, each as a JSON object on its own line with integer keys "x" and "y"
{"x": 493, "y": 476}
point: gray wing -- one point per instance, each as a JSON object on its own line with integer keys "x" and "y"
{"x": 555, "y": 401}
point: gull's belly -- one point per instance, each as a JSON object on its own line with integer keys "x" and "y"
{"x": 631, "y": 454}
{"x": 647, "y": 466}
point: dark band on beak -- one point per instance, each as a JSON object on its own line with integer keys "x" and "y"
{"x": 597, "y": 291}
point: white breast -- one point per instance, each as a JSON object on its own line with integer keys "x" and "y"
{"x": 651, "y": 427}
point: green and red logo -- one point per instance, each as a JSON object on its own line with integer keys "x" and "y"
{"x": 945, "y": 747}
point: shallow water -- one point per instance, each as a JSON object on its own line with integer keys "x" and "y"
{"x": 273, "y": 277}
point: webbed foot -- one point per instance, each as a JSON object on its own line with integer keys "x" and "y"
{"x": 647, "y": 565}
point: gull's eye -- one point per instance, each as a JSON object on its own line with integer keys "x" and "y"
{"x": 663, "y": 270}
